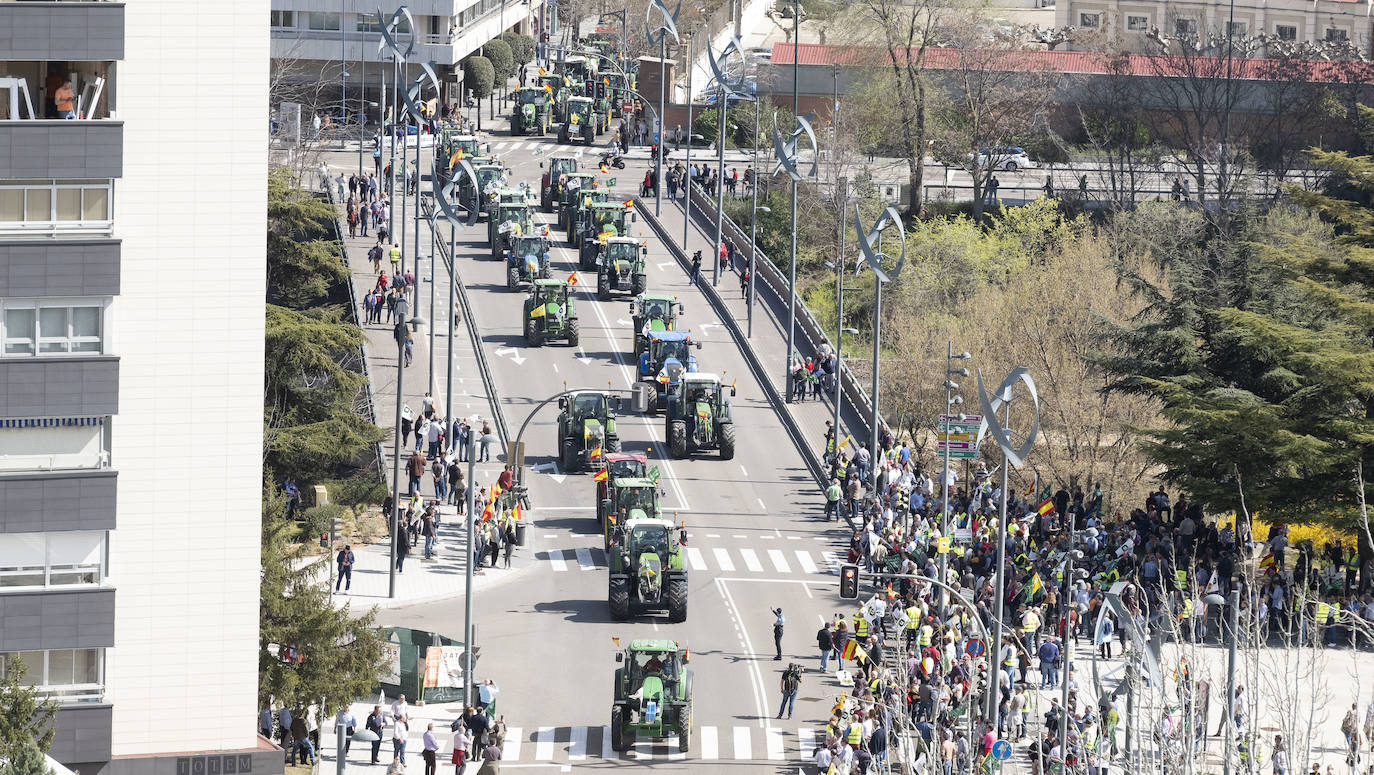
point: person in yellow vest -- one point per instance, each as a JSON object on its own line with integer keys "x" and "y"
{"x": 860, "y": 627}
{"x": 913, "y": 625}
{"x": 395, "y": 255}
{"x": 1030, "y": 625}
{"x": 927, "y": 634}
{"x": 1323, "y": 613}
{"x": 1332, "y": 623}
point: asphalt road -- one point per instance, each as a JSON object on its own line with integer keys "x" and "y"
{"x": 756, "y": 538}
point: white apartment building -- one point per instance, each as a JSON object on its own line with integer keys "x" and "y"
{"x": 311, "y": 38}
{"x": 132, "y": 283}
{"x": 1290, "y": 20}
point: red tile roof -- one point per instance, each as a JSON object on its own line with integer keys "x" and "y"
{"x": 1085, "y": 63}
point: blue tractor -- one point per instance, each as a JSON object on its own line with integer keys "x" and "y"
{"x": 665, "y": 359}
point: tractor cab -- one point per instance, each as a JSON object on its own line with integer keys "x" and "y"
{"x": 653, "y": 692}
{"x": 550, "y": 313}
{"x": 490, "y": 179}
{"x": 666, "y": 349}
{"x": 527, "y": 259}
{"x": 551, "y": 182}
{"x": 620, "y": 266}
{"x": 511, "y": 216}
{"x": 699, "y": 416}
{"x": 619, "y": 465}
{"x": 626, "y": 500}
{"x": 604, "y": 220}
{"x": 531, "y": 115}
{"x": 586, "y": 428}
{"x": 574, "y": 189}
{"x": 657, "y": 311}
{"x": 582, "y": 123}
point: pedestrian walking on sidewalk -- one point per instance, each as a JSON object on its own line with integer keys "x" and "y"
{"x": 488, "y": 438}
{"x": 400, "y": 732}
{"x": 455, "y": 485}
{"x": 375, "y": 256}
{"x": 364, "y": 215}
{"x": 345, "y": 561}
{"x": 509, "y": 540}
{"x": 431, "y": 751}
{"x": 744, "y": 282}
{"x": 376, "y": 724}
{"x": 352, "y": 219}
{"x": 778, "y": 623}
{"x": 461, "y": 742}
{"x": 402, "y": 551}
{"x": 415, "y": 469}
{"x": 430, "y": 532}
{"x": 696, "y": 267}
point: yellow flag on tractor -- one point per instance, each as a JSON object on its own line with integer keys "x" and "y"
{"x": 537, "y": 312}
{"x": 602, "y": 475}
{"x": 572, "y": 279}
{"x": 596, "y": 453}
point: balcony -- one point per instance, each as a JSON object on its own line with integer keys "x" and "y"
{"x": 55, "y": 208}
{"x": 58, "y": 501}
{"x": 62, "y": 31}
{"x": 59, "y": 386}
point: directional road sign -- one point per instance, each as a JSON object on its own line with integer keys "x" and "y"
{"x": 1001, "y": 750}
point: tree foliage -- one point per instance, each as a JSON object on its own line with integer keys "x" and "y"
{"x": 479, "y": 76}
{"x": 739, "y": 126}
{"x": 26, "y": 717}
{"x": 302, "y": 263}
{"x": 308, "y": 649}
{"x": 521, "y": 47}
{"x": 499, "y": 53}
{"x": 27, "y": 760}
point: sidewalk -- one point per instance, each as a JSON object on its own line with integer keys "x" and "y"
{"x": 443, "y": 576}
{"x": 769, "y": 339}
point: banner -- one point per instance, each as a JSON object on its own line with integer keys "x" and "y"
{"x": 391, "y": 653}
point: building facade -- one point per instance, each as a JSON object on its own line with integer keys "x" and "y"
{"x": 132, "y": 274}
{"x": 314, "y": 41}
{"x": 1127, "y": 22}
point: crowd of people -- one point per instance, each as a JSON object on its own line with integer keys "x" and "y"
{"x": 1175, "y": 561}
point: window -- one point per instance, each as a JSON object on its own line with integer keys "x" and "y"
{"x": 38, "y": 444}
{"x": 1138, "y": 23}
{"x": 284, "y": 19}
{"x": 39, "y": 560}
{"x": 65, "y": 675}
{"x": 1237, "y": 29}
{"x": 1089, "y": 20}
{"x": 1286, "y": 32}
{"x": 323, "y": 21}
{"x": 47, "y": 327}
{"x": 1334, "y": 34}
{"x": 367, "y": 22}
{"x": 1185, "y": 26}
{"x": 50, "y": 208}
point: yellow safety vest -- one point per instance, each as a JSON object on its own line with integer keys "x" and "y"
{"x": 1187, "y": 612}
{"x": 926, "y": 632}
{"x": 395, "y": 255}
{"x": 860, "y": 627}
{"x": 1031, "y": 624}
{"x": 1323, "y": 610}
{"x": 856, "y": 734}
{"x": 1335, "y": 612}
{"x": 1180, "y": 578}
{"x": 913, "y": 618}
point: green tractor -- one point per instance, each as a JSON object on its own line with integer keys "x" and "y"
{"x": 527, "y": 260}
{"x": 620, "y": 267}
{"x": 628, "y": 498}
{"x": 586, "y": 424}
{"x": 491, "y": 178}
{"x": 698, "y": 416}
{"x": 531, "y": 114}
{"x": 555, "y": 88}
{"x": 579, "y": 219}
{"x": 572, "y": 192}
{"x": 582, "y": 122}
{"x": 651, "y": 312}
{"x": 457, "y": 146}
{"x": 653, "y": 694}
{"x": 552, "y": 181}
{"x": 603, "y": 220}
{"x": 647, "y": 572}
{"x": 508, "y": 220}
{"x": 550, "y": 312}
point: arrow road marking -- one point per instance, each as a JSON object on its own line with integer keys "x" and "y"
{"x": 705, "y": 326}
{"x": 582, "y": 356}
{"x": 662, "y": 264}
{"x": 542, "y": 467}
{"x": 623, "y": 322}
{"x": 513, "y": 352}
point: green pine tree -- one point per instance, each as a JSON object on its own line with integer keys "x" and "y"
{"x": 336, "y": 655}
{"x": 26, "y": 717}
{"x": 27, "y": 760}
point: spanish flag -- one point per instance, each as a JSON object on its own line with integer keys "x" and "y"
{"x": 572, "y": 279}
{"x": 605, "y": 235}
{"x": 852, "y": 650}
{"x": 495, "y": 490}
{"x": 515, "y": 512}
{"x": 629, "y": 204}
{"x": 596, "y": 453}
{"x": 605, "y": 170}
{"x": 486, "y": 512}
{"x": 1267, "y": 561}
{"x": 542, "y": 71}
{"x": 602, "y": 475}
{"x": 1046, "y": 507}
{"x": 548, "y": 87}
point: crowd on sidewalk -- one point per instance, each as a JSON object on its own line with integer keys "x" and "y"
{"x": 1172, "y": 557}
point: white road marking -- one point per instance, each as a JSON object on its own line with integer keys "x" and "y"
{"x": 740, "y": 537}
{"x": 775, "y": 743}
{"x": 741, "y": 470}
{"x": 556, "y": 560}
{"x": 779, "y": 561}
{"x": 806, "y": 736}
{"x": 577, "y": 746}
{"x": 804, "y": 560}
{"x": 673, "y": 753}
{"x": 543, "y": 744}
{"x": 832, "y": 560}
{"x": 723, "y": 559}
{"x": 760, "y": 696}
{"x": 713, "y": 535}
{"x": 762, "y": 505}
{"x": 751, "y": 560}
{"x": 695, "y": 558}
{"x": 584, "y": 558}
{"x": 794, "y": 538}
{"x": 709, "y": 743}
{"x": 606, "y": 751}
{"x": 742, "y": 747}
{"x": 514, "y": 737}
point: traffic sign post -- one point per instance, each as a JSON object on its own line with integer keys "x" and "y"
{"x": 976, "y": 647}
{"x": 1001, "y": 750}
{"x": 957, "y": 434}
{"x": 627, "y": 107}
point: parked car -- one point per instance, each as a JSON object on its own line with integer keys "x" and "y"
{"x": 1007, "y": 158}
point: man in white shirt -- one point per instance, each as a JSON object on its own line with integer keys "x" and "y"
{"x": 399, "y": 708}
{"x": 399, "y": 733}
{"x": 344, "y": 724}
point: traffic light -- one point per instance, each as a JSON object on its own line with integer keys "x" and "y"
{"x": 981, "y": 677}
{"x": 849, "y": 582}
{"x": 335, "y": 528}
{"x": 324, "y": 540}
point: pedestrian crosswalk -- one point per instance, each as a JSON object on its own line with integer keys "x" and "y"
{"x": 806, "y": 562}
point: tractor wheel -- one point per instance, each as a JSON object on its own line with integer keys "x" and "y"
{"x": 512, "y": 278}
{"x": 677, "y": 439}
{"x": 603, "y": 286}
{"x": 617, "y": 729}
{"x": 569, "y": 461}
{"x": 612, "y": 442}
{"x": 574, "y": 332}
{"x": 529, "y": 331}
{"x": 640, "y": 284}
{"x": 545, "y": 270}
{"x": 563, "y": 134}
{"x": 537, "y": 335}
{"x": 544, "y": 202}
{"x": 677, "y": 600}
{"x": 619, "y": 599}
{"x": 727, "y": 441}
{"x": 587, "y": 135}
{"x": 684, "y": 734}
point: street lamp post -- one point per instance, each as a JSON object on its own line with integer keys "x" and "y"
{"x": 667, "y": 26}
{"x": 722, "y": 107}
{"x": 951, "y": 401}
{"x": 753, "y": 217}
{"x": 468, "y": 564}
{"x": 1234, "y": 605}
{"x": 788, "y": 155}
{"x": 687, "y": 179}
{"x": 840, "y": 330}
{"x": 400, "y": 332}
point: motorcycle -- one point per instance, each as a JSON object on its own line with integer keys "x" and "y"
{"x": 609, "y": 159}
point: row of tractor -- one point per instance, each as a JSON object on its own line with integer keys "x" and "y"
{"x": 645, "y": 548}
{"x": 579, "y": 96}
